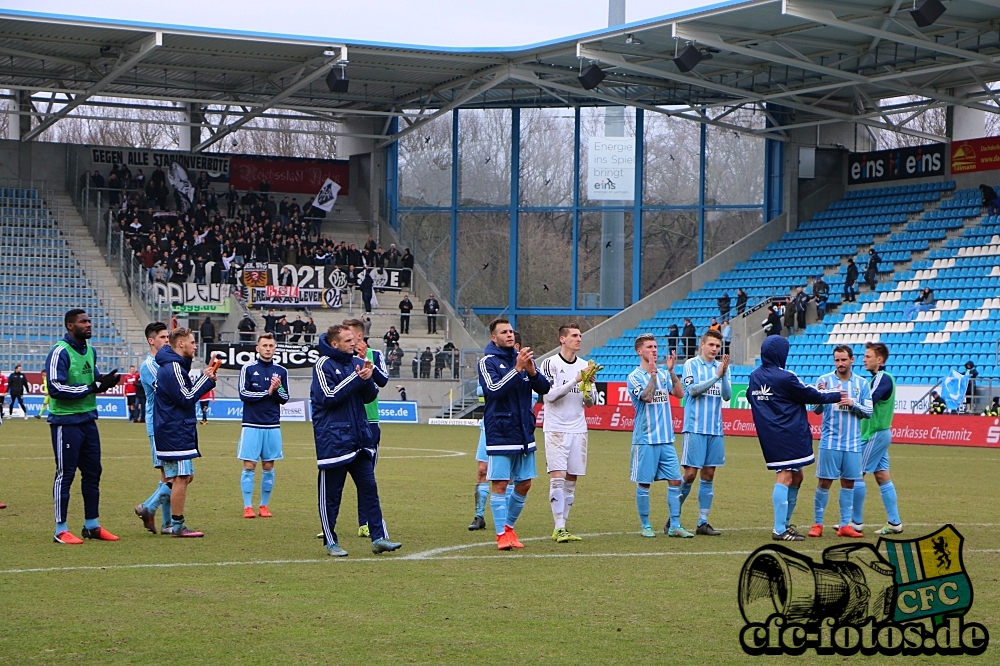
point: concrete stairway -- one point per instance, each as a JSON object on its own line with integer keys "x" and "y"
{"x": 131, "y": 322}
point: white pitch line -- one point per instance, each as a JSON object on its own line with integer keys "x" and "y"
{"x": 431, "y": 555}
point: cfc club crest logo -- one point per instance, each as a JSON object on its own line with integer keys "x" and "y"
{"x": 899, "y": 597}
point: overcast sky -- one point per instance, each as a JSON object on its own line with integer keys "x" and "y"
{"x": 439, "y": 23}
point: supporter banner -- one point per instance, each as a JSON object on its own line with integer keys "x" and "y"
{"x": 896, "y": 164}
{"x": 397, "y": 411}
{"x": 189, "y": 297}
{"x": 270, "y": 297}
{"x": 149, "y": 160}
{"x": 288, "y": 174}
{"x": 947, "y": 430}
{"x": 235, "y": 355}
{"x": 975, "y": 155}
{"x": 320, "y": 277}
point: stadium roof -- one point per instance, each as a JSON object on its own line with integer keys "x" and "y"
{"x": 826, "y": 62}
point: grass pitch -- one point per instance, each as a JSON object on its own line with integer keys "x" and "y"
{"x": 264, "y": 591}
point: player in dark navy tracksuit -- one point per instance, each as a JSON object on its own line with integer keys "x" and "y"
{"x": 778, "y": 400}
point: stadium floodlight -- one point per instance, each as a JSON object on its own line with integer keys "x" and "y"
{"x": 688, "y": 58}
{"x": 591, "y": 77}
{"x": 926, "y": 12}
{"x": 632, "y": 40}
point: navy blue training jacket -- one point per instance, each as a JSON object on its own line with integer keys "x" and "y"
{"x": 175, "y": 423}
{"x": 508, "y": 419}
{"x": 260, "y": 408}
{"x": 338, "y": 395}
{"x": 778, "y": 400}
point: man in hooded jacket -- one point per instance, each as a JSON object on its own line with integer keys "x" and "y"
{"x": 342, "y": 383}
{"x": 778, "y": 400}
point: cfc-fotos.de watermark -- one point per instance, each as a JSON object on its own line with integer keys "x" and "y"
{"x": 899, "y": 597}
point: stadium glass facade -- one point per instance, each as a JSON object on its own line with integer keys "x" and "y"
{"x": 492, "y": 203}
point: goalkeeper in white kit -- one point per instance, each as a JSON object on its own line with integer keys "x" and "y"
{"x": 565, "y": 425}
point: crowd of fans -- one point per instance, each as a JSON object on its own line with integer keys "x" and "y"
{"x": 235, "y": 229}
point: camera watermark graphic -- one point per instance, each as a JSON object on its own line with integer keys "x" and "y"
{"x": 899, "y": 597}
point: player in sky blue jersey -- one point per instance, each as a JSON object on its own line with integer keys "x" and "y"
{"x": 706, "y": 387}
{"x": 840, "y": 440}
{"x": 653, "y": 455}
{"x": 157, "y": 336}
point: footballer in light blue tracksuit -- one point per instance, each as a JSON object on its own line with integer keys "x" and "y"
{"x": 508, "y": 378}
{"x": 342, "y": 384}
{"x": 840, "y": 441}
{"x": 157, "y": 337}
{"x": 263, "y": 388}
{"x": 175, "y": 421}
{"x": 778, "y": 400}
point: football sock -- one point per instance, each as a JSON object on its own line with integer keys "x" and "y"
{"x": 266, "y": 486}
{"x": 793, "y": 497}
{"x": 61, "y": 527}
{"x": 510, "y": 490}
{"x": 857, "y": 514}
{"x": 889, "y": 500}
{"x": 514, "y": 506}
{"x": 779, "y": 497}
{"x": 482, "y": 494}
{"x": 165, "y": 503}
{"x": 705, "y": 495}
{"x": 819, "y": 504}
{"x": 569, "y": 492}
{"x": 846, "y": 505}
{"x": 246, "y": 485}
{"x": 91, "y": 524}
{"x": 674, "y": 504}
{"x": 498, "y": 506}
{"x": 557, "y": 501}
{"x": 178, "y": 521}
{"x": 686, "y": 490}
{"x": 642, "y": 504}
{"x": 153, "y": 503}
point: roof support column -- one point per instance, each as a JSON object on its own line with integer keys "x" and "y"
{"x": 963, "y": 122}
{"x": 190, "y": 129}
{"x": 20, "y": 124}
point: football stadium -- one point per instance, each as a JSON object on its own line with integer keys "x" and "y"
{"x": 750, "y": 250}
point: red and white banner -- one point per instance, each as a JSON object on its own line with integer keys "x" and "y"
{"x": 287, "y": 174}
{"x": 272, "y": 291}
{"x": 942, "y": 429}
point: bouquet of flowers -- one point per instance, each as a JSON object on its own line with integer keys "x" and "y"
{"x": 587, "y": 377}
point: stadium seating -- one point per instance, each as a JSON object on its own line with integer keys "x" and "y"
{"x": 39, "y": 280}
{"x": 963, "y": 271}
